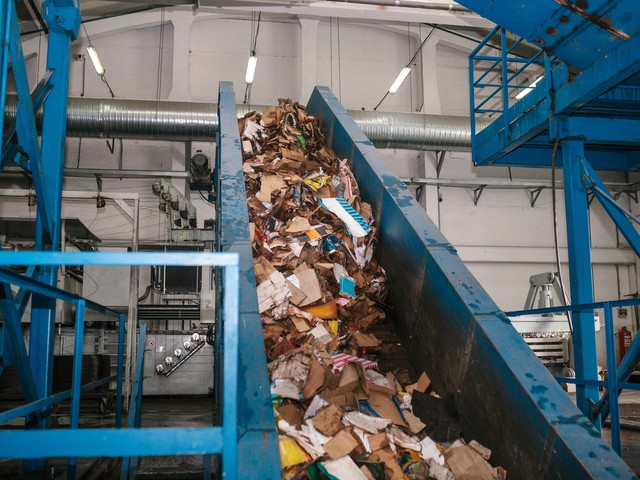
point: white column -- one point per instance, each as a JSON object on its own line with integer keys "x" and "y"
{"x": 430, "y": 90}
{"x": 308, "y": 56}
{"x": 180, "y": 75}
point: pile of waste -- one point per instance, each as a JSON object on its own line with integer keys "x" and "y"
{"x": 320, "y": 292}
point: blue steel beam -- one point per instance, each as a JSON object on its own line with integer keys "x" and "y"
{"x": 258, "y": 442}
{"x": 130, "y": 463}
{"x": 10, "y": 150}
{"x": 104, "y": 442}
{"x": 565, "y": 32}
{"x": 63, "y": 19}
{"x": 455, "y": 332}
{"x": 5, "y": 32}
{"x": 579, "y": 244}
{"x": 527, "y": 122}
{"x": 25, "y": 125}
{"x": 620, "y": 220}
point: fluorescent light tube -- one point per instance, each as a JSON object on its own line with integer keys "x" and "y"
{"x": 404, "y": 73}
{"x": 95, "y": 59}
{"x": 251, "y": 69}
{"x": 529, "y": 89}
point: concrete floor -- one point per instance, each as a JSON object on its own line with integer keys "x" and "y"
{"x": 188, "y": 412}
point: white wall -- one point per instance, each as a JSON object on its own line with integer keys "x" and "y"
{"x": 359, "y": 60}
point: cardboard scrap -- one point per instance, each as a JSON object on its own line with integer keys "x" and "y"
{"x": 315, "y": 379}
{"x": 269, "y": 185}
{"x": 378, "y": 441}
{"x": 465, "y": 461}
{"x": 298, "y": 224}
{"x": 328, "y": 420}
{"x": 342, "y": 444}
{"x": 309, "y": 284}
{"x": 366, "y": 340}
{"x": 320, "y": 292}
{"x": 421, "y": 385}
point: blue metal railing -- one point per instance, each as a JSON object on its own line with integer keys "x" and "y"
{"x": 131, "y": 442}
{"x": 27, "y": 283}
{"x": 130, "y": 464}
{"x": 506, "y": 87}
{"x": 617, "y": 376}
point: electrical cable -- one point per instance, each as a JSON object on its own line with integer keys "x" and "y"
{"x": 253, "y": 45}
{"x": 339, "y": 62}
{"x": 409, "y": 63}
{"x": 565, "y": 298}
{"x": 205, "y": 198}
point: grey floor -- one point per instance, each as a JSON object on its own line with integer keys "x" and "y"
{"x": 189, "y": 412}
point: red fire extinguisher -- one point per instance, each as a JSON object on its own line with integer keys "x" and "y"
{"x": 624, "y": 339}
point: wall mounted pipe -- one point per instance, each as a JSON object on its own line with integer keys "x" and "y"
{"x": 191, "y": 121}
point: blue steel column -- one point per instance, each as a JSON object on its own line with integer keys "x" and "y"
{"x": 578, "y": 242}
{"x": 63, "y": 19}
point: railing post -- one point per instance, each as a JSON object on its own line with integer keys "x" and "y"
{"x": 612, "y": 379}
{"x": 119, "y": 371}
{"x": 76, "y": 384}
{"x": 230, "y": 371}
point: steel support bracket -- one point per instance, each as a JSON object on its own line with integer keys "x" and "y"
{"x": 63, "y": 16}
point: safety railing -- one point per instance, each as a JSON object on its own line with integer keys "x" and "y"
{"x": 498, "y": 95}
{"x": 134, "y": 442}
{"x": 129, "y": 465}
{"x": 617, "y": 376}
{"x": 36, "y": 407}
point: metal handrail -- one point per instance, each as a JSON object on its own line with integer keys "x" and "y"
{"x": 616, "y": 375}
{"x": 133, "y": 442}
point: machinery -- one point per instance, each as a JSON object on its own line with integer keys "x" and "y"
{"x": 452, "y": 329}
{"x": 548, "y": 335}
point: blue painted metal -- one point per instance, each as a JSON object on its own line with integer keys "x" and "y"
{"x": 120, "y": 370}
{"x": 130, "y": 442}
{"x": 615, "y": 381}
{"x": 129, "y": 464}
{"x": 612, "y": 378}
{"x": 258, "y": 444}
{"x": 115, "y": 259}
{"x": 444, "y": 314}
{"x": 76, "y": 382}
{"x": 576, "y": 40}
{"x": 579, "y": 244}
{"x": 105, "y": 442}
{"x": 616, "y": 213}
{"x": 5, "y": 31}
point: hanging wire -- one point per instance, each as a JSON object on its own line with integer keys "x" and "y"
{"x": 339, "y": 63}
{"x": 565, "y": 298}
{"x": 409, "y": 63}
{"x": 331, "y": 48}
{"x": 410, "y": 79}
{"x": 160, "y": 58}
{"x": 253, "y": 44}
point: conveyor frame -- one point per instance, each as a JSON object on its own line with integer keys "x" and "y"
{"x": 453, "y": 330}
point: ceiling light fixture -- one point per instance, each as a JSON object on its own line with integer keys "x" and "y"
{"x": 402, "y": 76}
{"x": 529, "y": 89}
{"x": 95, "y": 59}
{"x": 251, "y": 69}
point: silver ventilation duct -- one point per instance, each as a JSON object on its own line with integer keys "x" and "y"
{"x": 190, "y": 121}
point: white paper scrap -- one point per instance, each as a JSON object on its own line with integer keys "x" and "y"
{"x": 343, "y": 469}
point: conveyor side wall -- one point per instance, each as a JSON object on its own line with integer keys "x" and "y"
{"x": 258, "y": 454}
{"x": 455, "y": 332}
